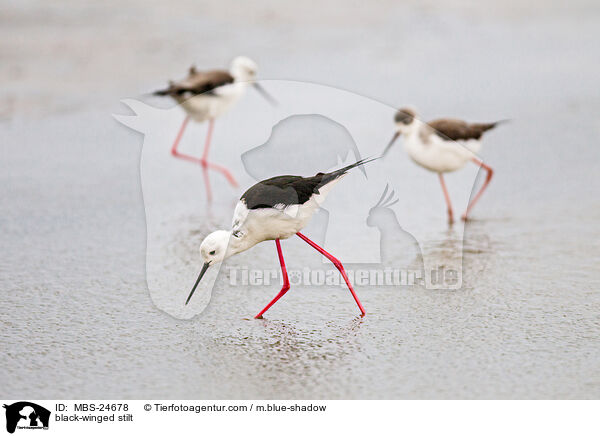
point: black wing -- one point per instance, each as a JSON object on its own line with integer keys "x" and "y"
{"x": 460, "y": 130}
{"x": 197, "y": 83}
{"x": 290, "y": 190}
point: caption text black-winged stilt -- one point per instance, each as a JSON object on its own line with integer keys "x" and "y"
{"x": 274, "y": 209}
{"x": 442, "y": 146}
{"x": 206, "y": 95}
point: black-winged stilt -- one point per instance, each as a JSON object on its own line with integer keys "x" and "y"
{"x": 442, "y": 146}
{"x": 274, "y": 209}
{"x": 206, "y": 95}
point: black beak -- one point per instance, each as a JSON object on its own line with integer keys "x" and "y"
{"x": 396, "y": 135}
{"x": 265, "y": 94}
{"x": 204, "y": 268}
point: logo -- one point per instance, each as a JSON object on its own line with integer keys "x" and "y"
{"x": 26, "y": 415}
{"x": 385, "y": 208}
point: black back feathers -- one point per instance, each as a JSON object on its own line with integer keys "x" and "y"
{"x": 291, "y": 190}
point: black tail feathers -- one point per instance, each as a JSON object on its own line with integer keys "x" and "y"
{"x": 339, "y": 173}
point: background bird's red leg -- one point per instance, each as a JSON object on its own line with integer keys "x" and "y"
{"x": 211, "y": 125}
{"x": 286, "y": 282}
{"x": 174, "y": 150}
{"x": 176, "y": 153}
{"x": 490, "y": 173}
{"x": 204, "y": 162}
{"x": 338, "y": 265}
{"x": 223, "y": 171}
{"x": 208, "y": 165}
{"x": 207, "y": 183}
{"x": 447, "y": 197}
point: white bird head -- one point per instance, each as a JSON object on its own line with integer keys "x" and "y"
{"x": 218, "y": 246}
{"x": 214, "y": 247}
{"x": 243, "y": 69}
{"x": 405, "y": 121}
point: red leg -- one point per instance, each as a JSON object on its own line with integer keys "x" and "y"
{"x": 447, "y": 197}
{"x": 207, "y": 183}
{"x": 176, "y": 153}
{"x": 286, "y": 282}
{"x": 202, "y": 161}
{"x": 187, "y": 157}
{"x": 223, "y": 171}
{"x": 174, "y": 150}
{"x": 208, "y": 165}
{"x": 488, "y": 178}
{"x": 338, "y": 265}
{"x": 211, "y": 125}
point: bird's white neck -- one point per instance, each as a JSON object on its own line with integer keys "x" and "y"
{"x": 240, "y": 244}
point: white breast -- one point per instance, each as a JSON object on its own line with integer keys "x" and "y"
{"x": 439, "y": 155}
{"x": 213, "y": 105}
{"x": 280, "y": 222}
{"x": 272, "y": 223}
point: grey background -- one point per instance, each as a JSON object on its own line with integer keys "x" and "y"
{"x": 75, "y": 316}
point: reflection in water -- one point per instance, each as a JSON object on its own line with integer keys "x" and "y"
{"x": 445, "y": 248}
{"x": 529, "y": 321}
{"x": 466, "y": 254}
{"x": 477, "y": 248}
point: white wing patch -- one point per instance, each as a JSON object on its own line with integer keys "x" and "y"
{"x": 292, "y": 210}
{"x": 239, "y": 215}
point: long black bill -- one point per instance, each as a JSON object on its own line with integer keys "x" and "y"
{"x": 265, "y": 94}
{"x": 204, "y": 268}
{"x": 396, "y": 135}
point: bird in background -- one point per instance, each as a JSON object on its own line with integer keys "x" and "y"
{"x": 206, "y": 95}
{"x": 274, "y": 209}
{"x": 443, "y": 146}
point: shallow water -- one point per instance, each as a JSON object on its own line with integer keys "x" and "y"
{"x": 76, "y": 315}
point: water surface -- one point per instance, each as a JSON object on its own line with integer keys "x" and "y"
{"x": 76, "y": 316}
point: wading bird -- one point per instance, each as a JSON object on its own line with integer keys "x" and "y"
{"x": 274, "y": 209}
{"x": 442, "y": 146}
{"x": 206, "y": 95}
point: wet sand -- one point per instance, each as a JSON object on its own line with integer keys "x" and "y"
{"x": 76, "y": 312}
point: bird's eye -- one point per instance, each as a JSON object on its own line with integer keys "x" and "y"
{"x": 212, "y": 253}
{"x": 237, "y": 234}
